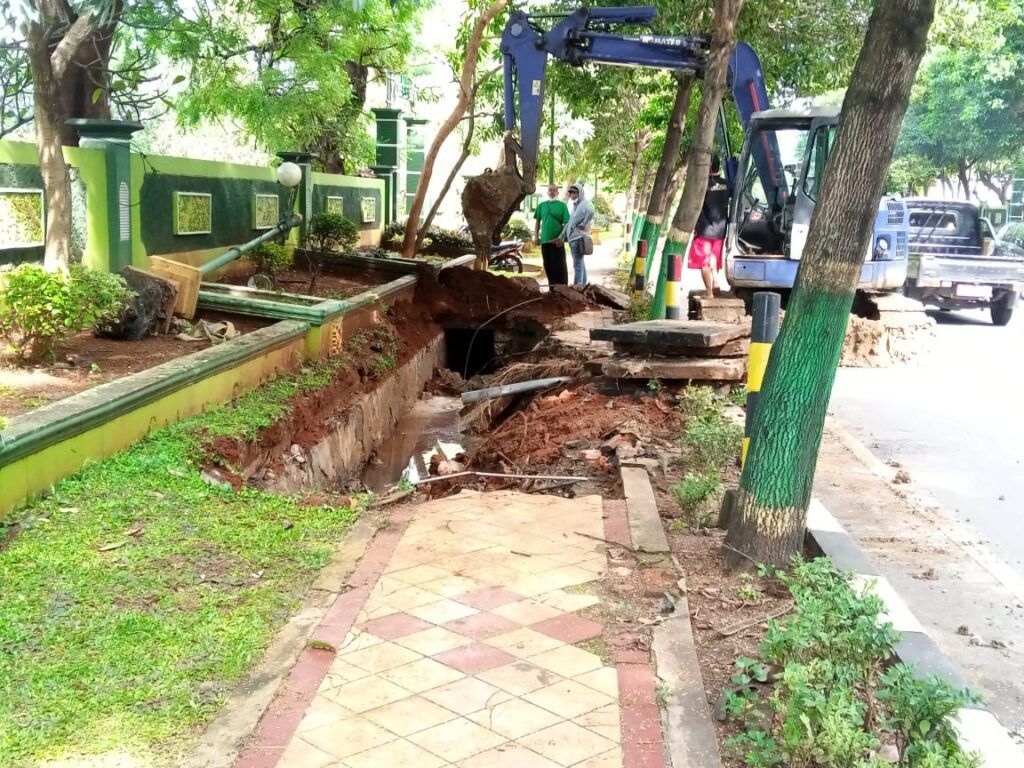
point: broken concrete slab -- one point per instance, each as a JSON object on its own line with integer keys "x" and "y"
{"x": 735, "y": 348}
{"x": 645, "y": 529}
{"x": 676, "y": 334}
{"x": 688, "y": 368}
{"x": 721, "y": 309}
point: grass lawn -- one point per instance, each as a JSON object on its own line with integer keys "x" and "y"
{"x": 136, "y": 594}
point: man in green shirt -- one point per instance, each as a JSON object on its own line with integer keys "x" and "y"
{"x": 550, "y": 219}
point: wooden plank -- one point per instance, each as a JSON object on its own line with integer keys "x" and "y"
{"x": 187, "y": 278}
{"x": 688, "y": 368}
{"x": 678, "y": 334}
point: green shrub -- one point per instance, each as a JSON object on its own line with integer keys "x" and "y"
{"x": 517, "y": 229}
{"x": 714, "y": 437}
{"x": 39, "y": 308}
{"x": 332, "y": 232}
{"x": 270, "y": 258}
{"x": 694, "y": 488}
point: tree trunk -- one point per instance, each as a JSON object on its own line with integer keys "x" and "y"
{"x": 723, "y": 39}
{"x": 678, "y": 177}
{"x": 466, "y": 81}
{"x": 771, "y": 505}
{"x": 88, "y": 76}
{"x": 963, "y": 169}
{"x": 650, "y": 225}
{"x": 463, "y": 156}
{"x": 639, "y": 143}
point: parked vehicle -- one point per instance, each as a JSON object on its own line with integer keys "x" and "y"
{"x": 507, "y": 256}
{"x": 777, "y": 184}
{"x": 957, "y": 262}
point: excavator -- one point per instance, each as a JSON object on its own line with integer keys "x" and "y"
{"x": 775, "y": 179}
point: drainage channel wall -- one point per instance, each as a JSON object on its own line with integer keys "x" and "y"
{"x": 42, "y": 447}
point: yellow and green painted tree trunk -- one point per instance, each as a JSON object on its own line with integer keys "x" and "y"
{"x": 768, "y": 517}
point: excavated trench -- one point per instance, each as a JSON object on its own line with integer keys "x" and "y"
{"x": 373, "y": 425}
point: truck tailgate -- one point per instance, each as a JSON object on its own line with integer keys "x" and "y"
{"x": 933, "y": 270}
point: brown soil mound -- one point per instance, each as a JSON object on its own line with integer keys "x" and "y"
{"x": 461, "y": 294}
{"x": 536, "y": 434}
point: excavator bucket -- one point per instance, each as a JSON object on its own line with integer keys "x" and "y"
{"x": 490, "y": 199}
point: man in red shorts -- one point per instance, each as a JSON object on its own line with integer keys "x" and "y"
{"x": 709, "y": 235}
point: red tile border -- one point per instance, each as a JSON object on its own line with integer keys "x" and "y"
{"x": 643, "y": 744}
{"x": 569, "y": 628}
{"x": 281, "y": 719}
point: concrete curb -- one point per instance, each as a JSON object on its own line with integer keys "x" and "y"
{"x": 979, "y": 729}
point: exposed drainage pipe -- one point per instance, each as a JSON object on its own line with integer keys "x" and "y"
{"x": 489, "y": 393}
{"x": 499, "y": 474}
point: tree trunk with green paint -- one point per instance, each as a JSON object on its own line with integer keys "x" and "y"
{"x": 769, "y": 515}
{"x": 639, "y": 206}
{"x": 650, "y": 228}
{"x": 723, "y": 40}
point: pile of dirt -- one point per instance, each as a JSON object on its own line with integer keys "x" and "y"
{"x": 888, "y": 341}
{"x": 309, "y": 416}
{"x": 571, "y": 418}
{"x": 464, "y": 295}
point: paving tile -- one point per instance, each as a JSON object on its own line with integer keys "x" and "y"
{"x": 568, "y": 576}
{"x": 341, "y": 672}
{"x": 533, "y": 585}
{"x": 419, "y": 574}
{"x": 603, "y": 721}
{"x": 457, "y": 739}
{"x": 569, "y": 602}
{"x": 527, "y": 612}
{"x": 396, "y": 625}
{"x": 322, "y": 711}
{"x": 451, "y": 586}
{"x": 396, "y": 754}
{"x": 515, "y": 718}
{"x": 567, "y": 661}
{"x": 442, "y": 611}
{"x": 567, "y": 743}
{"x": 381, "y": 656}
{"x": 508, "y": 756}
{"x": 489, "y": 598}
{"x": 409, "y": 715}
{"x": 610, "y": 759}
{"x": 605, "y": 680}
{"x": 407, "y": 598}
{"x": 368, "y": 693}
{"x": 481, "y": 625}
{"x": 524, "y": 642}
{"x": 466, "y": 695}
{"x": 301, "y": 754}
{"x": 569, "y": 628}
{"x": 568, "y": 699}
{"x": 519, "y": 678}
{"x": 348, "y": 737}
{"x": 475, "y": 658}
{"x": 536, "y": 564}
{"x": 434, "y": 640}
{"x": 422, "y": 675}
{"x": 357, "y": 640}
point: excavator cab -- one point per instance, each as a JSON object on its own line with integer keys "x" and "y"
{"x": 778, "y": 182}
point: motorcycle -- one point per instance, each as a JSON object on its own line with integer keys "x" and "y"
{"x": 506, "y": 256}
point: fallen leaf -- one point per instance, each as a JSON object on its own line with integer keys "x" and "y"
{"x": 134, "y": 530}
{"x": 115, "y": 545}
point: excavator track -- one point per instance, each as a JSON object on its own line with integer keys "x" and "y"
{"x": 885, "y": 329}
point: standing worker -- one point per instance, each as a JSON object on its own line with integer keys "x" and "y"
{"x": 709, "y": 236}
{"x": 550, "y": 219}
{"x": 577, "y": 233}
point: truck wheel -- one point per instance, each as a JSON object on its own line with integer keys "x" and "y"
{"x": 1002, "y": 308}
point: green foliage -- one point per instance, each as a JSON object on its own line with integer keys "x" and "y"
{"x": 21, "y": 218}
{"x": 270, "y": 258}
{"x": 192, "y": 213}
{"x": 694, "y": 488}
{"x": 711, "y": 435}
{"x": 332, "y": 232}
{"x": 39, "y": 308}
{"x": 835, "y": 700}
{"x": 738, "y": 395}
{"x": 517, "y": 229}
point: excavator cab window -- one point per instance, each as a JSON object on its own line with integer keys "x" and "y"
{"x": 763, "y": 219}
{"x": 821, "y": 148}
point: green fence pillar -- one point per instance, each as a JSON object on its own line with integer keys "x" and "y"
{"x": 388, "y": 214}
{"x": 114, "y": 137}
{"x": 415, "y": 143}
{"x": 304, "y": 192}
{"x": 388, "y": 154}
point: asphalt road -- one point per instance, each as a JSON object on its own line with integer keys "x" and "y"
{"x": 955, "y": 422}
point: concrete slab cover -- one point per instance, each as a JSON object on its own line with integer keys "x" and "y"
{"x": 680, "y": 333}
